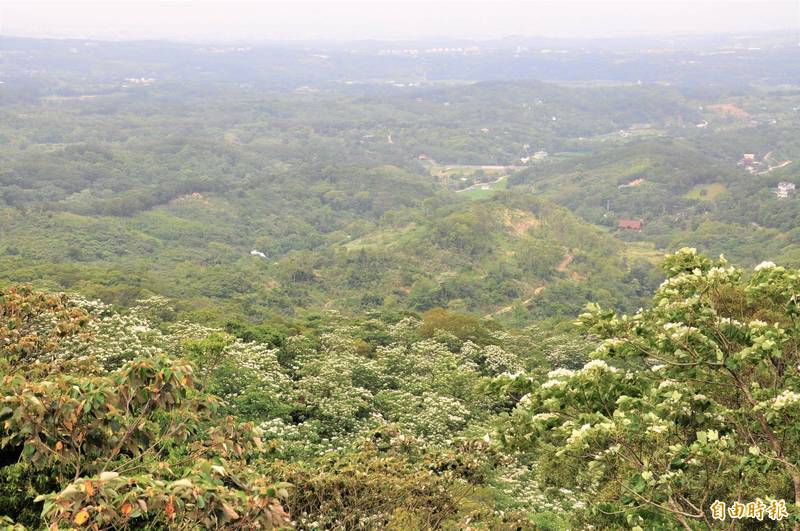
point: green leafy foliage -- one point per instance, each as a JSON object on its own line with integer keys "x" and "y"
{"x": 136, "y": 443}
{"x": 689, "y": 401}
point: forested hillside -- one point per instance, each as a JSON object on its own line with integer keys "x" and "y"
{"x": 438, "y": 421}
{"x": 358, "y": 198}
{"x": 332, "y": 287}
{"x": 119, "y": 200}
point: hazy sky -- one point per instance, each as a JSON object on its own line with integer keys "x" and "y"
{"x": 254, "y": 20}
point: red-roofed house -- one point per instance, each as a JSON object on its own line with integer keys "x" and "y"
{"x": 630, "y": 224}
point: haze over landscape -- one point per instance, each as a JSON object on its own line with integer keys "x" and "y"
{"x": 401, "y": 266}
{"x": 381, "y": 19}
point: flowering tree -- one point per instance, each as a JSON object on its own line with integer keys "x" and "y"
{"x": 693, "y": 400}
{"x": 136, "y": 445}
{"x": 115, "y": 419}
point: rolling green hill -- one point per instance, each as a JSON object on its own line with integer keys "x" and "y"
{"x": 685, "y": 193}
{"x": 234, "y": 201}
{"x": 506, "y": 253}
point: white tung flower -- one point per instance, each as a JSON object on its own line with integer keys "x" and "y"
{"x": 578, "y": 434}
{"x": 599, "y": 364}
{"x": 765, "y": 265}
{"x": 785, "y": 399}
{"x": 560, "y": 373}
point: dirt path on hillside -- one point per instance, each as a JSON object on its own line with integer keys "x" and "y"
{"x": 506, "y": 309}
{"x": 564, "y": 264}
{"x": 561, "y": 267}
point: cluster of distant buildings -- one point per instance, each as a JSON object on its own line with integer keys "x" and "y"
{"x": 213, "y": 49}
{"x": 783, "y": 190}
{"x": 412, "y": 52}
{"x": 749, "y": 162}
{"x": 539, "y": 155}
{"x": 140, "y": 80}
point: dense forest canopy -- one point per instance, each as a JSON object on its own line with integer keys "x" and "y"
{"x": 331, "y": 286}
{"x": 406, "y": 421}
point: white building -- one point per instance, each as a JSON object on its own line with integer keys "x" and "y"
{"x": 784, "y": 189}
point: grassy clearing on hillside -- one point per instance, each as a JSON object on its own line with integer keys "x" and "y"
{"x": 643, "y": 250}
{"x": 383, "y": 238}
{"x": 706, "y": 192}
{"x": 483, "y": 193}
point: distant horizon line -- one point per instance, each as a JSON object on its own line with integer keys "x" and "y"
{"x": 779, "y": 33}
